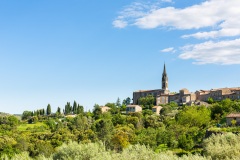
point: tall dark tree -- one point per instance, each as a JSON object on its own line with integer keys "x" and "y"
{"x": 97, "y": 112}
{"x": 128, "y": 100}
{"x": 40, "y": 112}
{"x": 58, "y": 110}
{"x": 74, "y": 109}
{"x": 68, "y": 108}
{"x": 118, "y": 102}
{"x": 49, "y": 109}
{"x": 80, "y": 109}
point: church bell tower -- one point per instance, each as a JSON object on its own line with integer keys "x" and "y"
{"x": 164, "y": 80}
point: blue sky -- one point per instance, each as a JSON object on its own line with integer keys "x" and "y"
{"x": 90, "y": 51}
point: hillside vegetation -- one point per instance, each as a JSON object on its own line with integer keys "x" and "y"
{"x": 177, "y": 133}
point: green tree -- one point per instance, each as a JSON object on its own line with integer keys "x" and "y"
{"x": 118, "y": 103}
{"x": 74, "y": 109}
{"x": 104, "y": 130}
{"x": 147, "y": 102}
{"x": 80, "y": 109}
{"x": 97, "y": 112}
{"x": 210, "y": 100}
{"x": 48, "y": 109}
{"x": 58, "y": 110}
{"x": 26, "y": 115}
{"x": 185, "y": 142}
{"x": 114, "y": 108}
{"x": 194, "y": 116}
{"x": 122, "y": 137}
{"x": 68, "y": 108}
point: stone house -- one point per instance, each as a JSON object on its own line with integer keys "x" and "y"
{"x": 133, "y": 108}
{"x": 105, "y": 109}
{"x": 233, "y": 116}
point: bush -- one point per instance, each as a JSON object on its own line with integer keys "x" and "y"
{"x": 73, "y": 150}
{"x": 222, "y": 146}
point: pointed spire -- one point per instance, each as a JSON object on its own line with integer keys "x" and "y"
{"x": 164, "y": 70}
{"x": 164, "y": 79}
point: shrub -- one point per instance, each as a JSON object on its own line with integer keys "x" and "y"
{"x": 222, "y": 146}
{"x": 73, "y": 150}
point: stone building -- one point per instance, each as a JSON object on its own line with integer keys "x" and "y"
{"x": 133, "y": 108}
{"x": 218, "y": 94}
{"x": 164, "y": 96}
{"x": 161, "y": 95}
{"x": 105, "y": 109}
{"x": 233, "y": 116}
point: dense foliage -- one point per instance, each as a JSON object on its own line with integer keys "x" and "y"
{"x": 72, "y": 133}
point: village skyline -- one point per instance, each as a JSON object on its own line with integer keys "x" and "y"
{"x": 95, "y": 51}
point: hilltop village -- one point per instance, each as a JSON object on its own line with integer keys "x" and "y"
{"x": 164, "y": 96}
{"x": 157, "y": 124}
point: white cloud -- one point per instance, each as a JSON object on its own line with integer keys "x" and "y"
{"x": 119, "y": 24}
{"x": 212, "y": 19}
{"x": 223, "y": 16}
{"x": 171, "y": 49}
{"x": 169, "y": 1}
{"x": 137, "y": 10}
{"x": 224, "y": 52}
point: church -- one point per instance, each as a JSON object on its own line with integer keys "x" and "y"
{"x": 164, "y": 96}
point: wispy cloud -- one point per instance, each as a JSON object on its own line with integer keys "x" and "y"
{"x": 213, "y": 19}
{"x": 222, "y": 15}
{"x": 136, "y": 10}
{"x": 224, "y": 52}
{"x": 171, "y": 49}
{"x": 120, "y": 23}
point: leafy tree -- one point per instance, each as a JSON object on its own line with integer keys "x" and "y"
{"x": 165, "y": 110}
{"x": 210, "y": 100}
{"x": 122, "y": 137}
{"x": 80, "y": 109}
{"x": 194, "y": 116}
{"x": 147, "y": 102}
{"x": 152, "y": 121}
{"x": 104, "y": 130}
{"x": 12, "y": 121}
{"x": 185, "y": 142}
{"x": 114, "y": 108}
{"x": 118, "y": 119}
{"x": 147, "y": 112}
{"x": 97, "y": 112}
{"x": 147, "y": 137}
{"x": 26, "y": 115}
{"x": 68, "y": 108}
